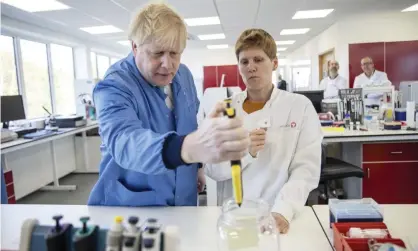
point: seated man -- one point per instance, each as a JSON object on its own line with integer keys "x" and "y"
{"x": 283, "y": 163}
{"x": 333, "y": 82}
{"x": 370, "y": 76}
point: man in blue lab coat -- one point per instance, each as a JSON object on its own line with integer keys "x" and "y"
{"x": 147, "y": 106}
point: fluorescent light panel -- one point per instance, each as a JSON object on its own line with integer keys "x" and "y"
{"x": 294, "y": 31}
{"x": 211, "y": 36}
{"x": 126, "y": 42}
{"x": 217, "y": 46}
{"x": 36, "y": 6}
{"x": 202, "y": 21}
{"x": 285, "y": 42}
{"x": 411, "y": 8}
{"x": 101, "y": 29}
{"x": 306, "y": 14}
{"x": 281, "y": 49}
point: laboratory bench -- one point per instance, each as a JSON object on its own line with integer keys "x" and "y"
{"x": 401, "y": 221}
{"x": 49, "y": 158}
{"x": 197, "y": 225}
{"x": 389, "y": 159}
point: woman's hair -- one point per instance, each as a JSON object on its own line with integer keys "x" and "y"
{"x": 158, "y": 23}
{"x": 256, "y": 38}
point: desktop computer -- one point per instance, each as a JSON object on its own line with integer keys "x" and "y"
{"x": 12, "y": 109}
{"x": 315, "y": 97}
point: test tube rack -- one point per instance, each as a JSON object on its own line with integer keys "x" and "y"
{"x": 65, "y": 237}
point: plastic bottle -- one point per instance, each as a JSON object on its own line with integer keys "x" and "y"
{"x": 114, "y": 235}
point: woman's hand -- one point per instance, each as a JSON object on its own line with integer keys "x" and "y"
{"x": 201, "y": 180}
{"x": 258, "y": 139}
{"x": 281, "y": 223}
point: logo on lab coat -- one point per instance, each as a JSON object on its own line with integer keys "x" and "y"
{"x": 293, "y": 124}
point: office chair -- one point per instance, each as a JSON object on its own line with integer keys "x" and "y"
{"x": 334, "y": 169}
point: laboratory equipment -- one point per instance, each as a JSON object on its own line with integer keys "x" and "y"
{"x": 361, "y": 210}
{"x": 7, "y": 135}
{"x": 377, "y": 100}
{"x": 409, "y": 90}
{"x": 315, "y": 97}
{"x": 235, "y": 164}
{"x": 410, "y": 114}
{"x": 372, "y": 237}
{"x": 334, "y": 106}
{"x": 250, "y": 227}
{"x": 351, "y": 104}
{"x": 66, "y": 237}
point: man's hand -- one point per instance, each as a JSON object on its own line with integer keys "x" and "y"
{"x": 218, "y": 139}
{"x": 281, "y": 223}
{"x": 201, "y": 180}
{"x": 258, "y": 139}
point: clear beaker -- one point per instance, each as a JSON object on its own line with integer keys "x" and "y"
{"x": 250, "y": 227}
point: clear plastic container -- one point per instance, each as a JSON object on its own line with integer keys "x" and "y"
{"x": 250, "y": 227}
{"x": 356, "y": 210}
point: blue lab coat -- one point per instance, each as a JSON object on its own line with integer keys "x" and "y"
{"x": 133, "y": 124}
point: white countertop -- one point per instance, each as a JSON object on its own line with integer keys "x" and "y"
{"x": 197, "y": 225}
{"x": 401, "y": 220}
{"x": 364, "y": 136}
{"x": 64, "y": 132}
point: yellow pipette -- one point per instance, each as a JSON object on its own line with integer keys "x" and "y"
{"x": 235, "y": 164}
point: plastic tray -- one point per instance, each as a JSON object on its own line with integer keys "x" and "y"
{"x": 341, "y": 243}
{"x": 362, "y": 210}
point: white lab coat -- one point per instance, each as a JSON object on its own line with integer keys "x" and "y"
{"x": 331, "y": 86}
{"x": 288, "y": 168}
{"x": 378, "y": 78}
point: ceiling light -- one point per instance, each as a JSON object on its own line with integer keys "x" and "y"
{"x": 101, "y": 29}
{"x": 217, "y": 46}
{"x": 412, "y": 8}
{"x": 126, "y": 42}
{"x": 312, "y": 14}
{"x": 294, "y": 31}
{"x": 285, "y": 42}
{"x": 202, "y": 21}
{"x": 211, "y": 36}
{"x": 281, "y": 49}
{"x": 35, "y": 6}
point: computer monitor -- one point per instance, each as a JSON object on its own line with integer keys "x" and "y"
{"x": 11, "y": 109}
{"x": 315, "y": 97}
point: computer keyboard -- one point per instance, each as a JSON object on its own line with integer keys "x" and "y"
{"x": 23, "y": 131}
{"x": 39, "y": 134}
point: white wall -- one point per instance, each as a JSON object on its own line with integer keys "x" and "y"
{"x": 384, "y": 27}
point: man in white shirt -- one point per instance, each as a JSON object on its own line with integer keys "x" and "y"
{"x": 333, "y": 82}
{"x": 370, "y": 76}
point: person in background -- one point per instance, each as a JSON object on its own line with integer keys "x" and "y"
{"x": 146, "y": 107}
{"x": 370, "y": 76}
{"x": 283, "y": 163}
{"x": 333, "y": 82}
{"x": 282, "y": 85}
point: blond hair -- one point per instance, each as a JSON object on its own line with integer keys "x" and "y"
{"x": 158, "y": 23}
{"x": 256, "y": 38}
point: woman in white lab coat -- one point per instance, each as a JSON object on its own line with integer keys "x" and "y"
{"x": 283, "y": 162}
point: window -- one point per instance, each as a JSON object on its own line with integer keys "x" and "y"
{"x": 102, "y": 65}
{"x": 35, "y": 75}
{"x": 8, "y": 67}
{"x": 63, "y": 79}
{"x": 93, "y": 64}
{"x": 114, "y": 60}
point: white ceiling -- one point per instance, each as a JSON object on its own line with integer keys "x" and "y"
{"x": 235, "y": 16}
